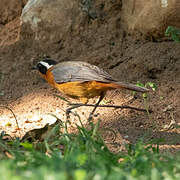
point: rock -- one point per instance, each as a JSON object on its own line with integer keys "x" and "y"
{"x": 151, "y": 18}
{"x": 10, "y": 10}
{"x": 49, "y": 20}
{"x": 54, "y": 21}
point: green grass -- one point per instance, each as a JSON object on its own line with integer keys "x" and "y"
{"x": 173, "y": 32}
{"x": 83, "y": 156}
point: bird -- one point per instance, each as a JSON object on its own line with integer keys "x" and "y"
{"x": 81, "y": 80}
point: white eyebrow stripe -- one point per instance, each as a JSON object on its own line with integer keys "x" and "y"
{"x": 45, "y": 64}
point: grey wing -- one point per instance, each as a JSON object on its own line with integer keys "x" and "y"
{"x": 71, "y": 71}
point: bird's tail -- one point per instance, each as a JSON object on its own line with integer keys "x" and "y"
{"x": 129, "y": 86}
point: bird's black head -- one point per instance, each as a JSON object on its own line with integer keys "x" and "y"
{"x": 45, "y": 64}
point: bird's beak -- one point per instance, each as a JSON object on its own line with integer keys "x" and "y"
{"x": 34, "y": 68}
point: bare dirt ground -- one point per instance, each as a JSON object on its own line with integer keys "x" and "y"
{"x": 128, "y": 59}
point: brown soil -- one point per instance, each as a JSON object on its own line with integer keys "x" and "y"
{"x": 128, "y": 59}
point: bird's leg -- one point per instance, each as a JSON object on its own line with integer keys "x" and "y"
{"x": 95, "y": 106}
{"x": 74, "y": 106}
{"x": 68, "y": 111}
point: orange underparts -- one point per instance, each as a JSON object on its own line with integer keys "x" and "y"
{"x": 80, "y": 90}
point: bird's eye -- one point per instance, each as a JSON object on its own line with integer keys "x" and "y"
{"x": 41, "y": 68}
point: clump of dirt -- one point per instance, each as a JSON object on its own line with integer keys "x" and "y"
{"x": 101, "y": 42}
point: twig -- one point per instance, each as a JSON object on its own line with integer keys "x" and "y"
{"x": 13, "y": 115}
{"x": 109, "y": 106}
